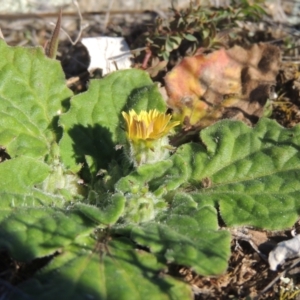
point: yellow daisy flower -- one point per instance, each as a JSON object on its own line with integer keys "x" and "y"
{"x": 150, "y": 125}
{"x": 147, "y": 134}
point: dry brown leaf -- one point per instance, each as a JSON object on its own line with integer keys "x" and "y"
{"x": 205, "y": 88}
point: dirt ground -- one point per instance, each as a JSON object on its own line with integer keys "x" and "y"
{"x": 248, "y": 275}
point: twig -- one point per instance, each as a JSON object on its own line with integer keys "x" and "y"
{"x": 81, "y": 27}
{"x": 107, "y": 15}
{"x": 146, "y": 59}
{"x": 73, "y": 80}
{"x": 69, "y": 14}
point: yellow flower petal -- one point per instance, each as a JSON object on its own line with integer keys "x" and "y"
{"x": 150, "y": 125}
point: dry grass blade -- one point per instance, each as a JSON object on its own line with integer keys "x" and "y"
{"x": 82, "y": 27}
{"x": 52, "y": 45}
{"x": 1, "y": 35}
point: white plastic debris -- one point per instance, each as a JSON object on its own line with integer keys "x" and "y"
{"x": 107, "y": 53}
{"x": 284, "y": 250}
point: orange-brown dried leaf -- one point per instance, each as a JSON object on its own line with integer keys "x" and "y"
{"x": 205, "y": 88}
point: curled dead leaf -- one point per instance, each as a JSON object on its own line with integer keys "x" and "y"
{"x": 205, "y": 88}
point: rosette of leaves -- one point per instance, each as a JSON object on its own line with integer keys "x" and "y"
{"x": 95, "y": 248}
{"x": 40, "y": 215}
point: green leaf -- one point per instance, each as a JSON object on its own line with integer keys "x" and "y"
{"x": 19, "y": 175}
{"x": 205, "y": 33}
{"x": 253, "y": 173}
{"x": 172, "y": 42}
{"x": 103, "y": 270}
{"x": 108, "y": 214}
{"x": 93, "y": 125}
{"x": 145, "y": 98}
{"x": 23, "y": 177}
{"x": 187, "y": 235}
{"x": 165, "y": 55}
{"x": 142, "y": 176}
{"x": 161, "y": 178}
{"x": 149, "y": 188}
{"x": 32, "y": 92}
{"x": 31, "y": 232}
{"x": 18, "y": 180}
{"x": 30, "y": 228}
{"x": 190, "y": 37}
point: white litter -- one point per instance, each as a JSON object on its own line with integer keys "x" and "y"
{"x": 107, "y": 53}
{"x": 284, "y": 250}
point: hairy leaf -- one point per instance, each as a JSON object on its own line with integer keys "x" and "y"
{"x": 187, "y": 235}
{"x": 34, "y": 223}
{"x": 31, "y": 232}
{"x": 32, "y": 92}
{"x": 252, "y": 174}
{"x": 108, "y": 214}
{"x": 186, "y": 232}
{"x": 19, "y": 175}
{"x": 94, "y": 123}
{"x": 103, "y": 270}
